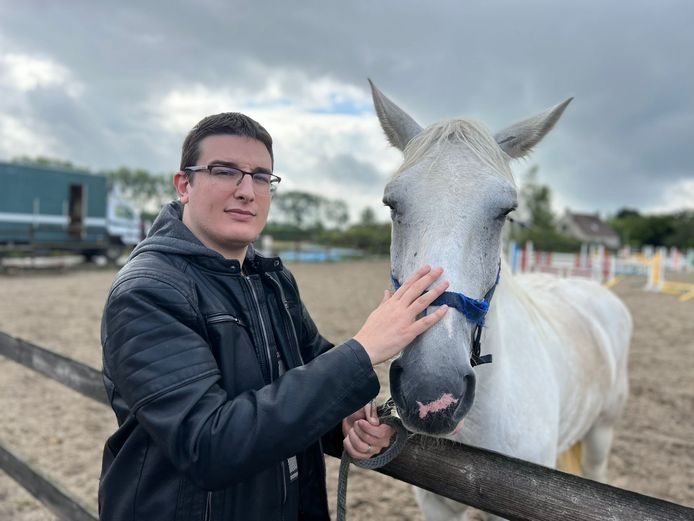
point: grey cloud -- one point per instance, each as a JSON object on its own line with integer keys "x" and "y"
{"x": 348, "y": 171}
{"x": 629, "y": 65}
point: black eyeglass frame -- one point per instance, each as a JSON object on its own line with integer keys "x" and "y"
{"x": 274, "y": 179}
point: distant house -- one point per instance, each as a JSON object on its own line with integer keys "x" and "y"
{"x": 588, "y": 228}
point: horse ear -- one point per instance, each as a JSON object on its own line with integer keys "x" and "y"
{"x": 518, "y": 139}
{"x": 398, "y": 126}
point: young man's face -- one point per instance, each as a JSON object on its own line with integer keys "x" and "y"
{"x": 224, "y": 216}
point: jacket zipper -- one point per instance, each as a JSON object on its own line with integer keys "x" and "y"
{"x": 290, "y": 324}
{"x": 208, "y": 507}
{"x": 284, "y": 482}
{"x": 266, "y": 343}
{"x": 223, "y": 317}
{"x": 269, "y": 359}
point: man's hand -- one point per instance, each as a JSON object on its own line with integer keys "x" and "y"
{"x": 394, "y": 324}
{"x": 365, "y": 436}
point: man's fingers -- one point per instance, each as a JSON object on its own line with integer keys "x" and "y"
{"x": 375, "y": 434}
{"x": 419, "y": 286}
{"x": 421, "y": 272}
{"x": 365, "y": 438}
{"x": 372, "y": 414}
{"x": 427, "y": 298}
{"x": 349, "y": 449}
{"x": 386, "y": 331}
{"x": 421, "y": 325}
{"x": 358, "y": 443}
{"x": 422, "y": 283}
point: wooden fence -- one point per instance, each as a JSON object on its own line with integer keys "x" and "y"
{"x": 509, "y": 487}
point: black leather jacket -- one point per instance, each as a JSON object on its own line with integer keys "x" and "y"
{"x": 206, "y": 424}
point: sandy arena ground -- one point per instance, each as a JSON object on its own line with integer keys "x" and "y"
{"x": 62, "y": 433}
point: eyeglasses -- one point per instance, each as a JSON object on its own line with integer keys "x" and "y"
{"x": 264, "y": 183}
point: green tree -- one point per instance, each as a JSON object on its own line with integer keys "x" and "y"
{"x": 634, "y": 229}
{"x": 627, "y": 213}
{"x": 538, "y": 200}
{"x": 682, "y": 234}
{"x": 540, "y": 228}
{"x": 147, "y": 191}
{"x": 300, "y": 209}
{"x": 48, "y": 161}
{"x": 367, "y": 235}
{"x": 367, "y": 217}
{"x": 335, "y": 213}
{"x": 300, "y": 216}
{"x": 307, "y": 211}
{"x": 371, "y": 238}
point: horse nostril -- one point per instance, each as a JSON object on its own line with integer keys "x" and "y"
{"x": 467, "y": 394}
{"x": 395, "y": 377}
{"x": 469, "y": 381}
{"x": 395, "y": 371}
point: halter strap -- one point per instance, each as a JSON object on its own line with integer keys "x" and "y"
{"x": 475, "y": 310}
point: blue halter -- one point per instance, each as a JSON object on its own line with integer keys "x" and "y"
{"x": 473, "y": 309}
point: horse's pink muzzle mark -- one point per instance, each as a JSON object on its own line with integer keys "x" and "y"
{"x": 442, "y": 403}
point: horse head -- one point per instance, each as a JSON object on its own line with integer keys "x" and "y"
{"x": 449, "y": 200}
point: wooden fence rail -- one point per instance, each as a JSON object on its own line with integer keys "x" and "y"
{"x": 50, "y": 494}
{"x": 509, "y": 487}
{"x": 75, "y": 375}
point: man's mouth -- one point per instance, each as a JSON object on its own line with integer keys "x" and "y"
{"x": 238, "y": 211}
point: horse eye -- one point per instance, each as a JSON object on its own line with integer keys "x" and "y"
{"x": 504, "y": 215}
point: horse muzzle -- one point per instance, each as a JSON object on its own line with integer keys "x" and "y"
{"x": 433, "y": 406}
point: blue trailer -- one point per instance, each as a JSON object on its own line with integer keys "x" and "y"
{"x": 45, "y": 208}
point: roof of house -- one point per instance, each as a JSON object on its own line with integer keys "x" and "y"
{"x": 592, "y": 225}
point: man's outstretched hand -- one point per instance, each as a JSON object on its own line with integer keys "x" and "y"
{"x": 394, "y": 324}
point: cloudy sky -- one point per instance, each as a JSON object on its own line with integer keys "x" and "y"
{"x": 105, "y": 86}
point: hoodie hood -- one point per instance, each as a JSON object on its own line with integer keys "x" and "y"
{"x": 168, "y": 234}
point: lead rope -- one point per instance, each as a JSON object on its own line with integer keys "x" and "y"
{"x": 388, "y": 415}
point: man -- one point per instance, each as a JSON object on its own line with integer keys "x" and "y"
{"x": 220, "y": 381}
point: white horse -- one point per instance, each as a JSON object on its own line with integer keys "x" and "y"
{"x": 559, "y": 346}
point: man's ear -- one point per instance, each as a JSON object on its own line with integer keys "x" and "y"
{"x": 181, "y": 182}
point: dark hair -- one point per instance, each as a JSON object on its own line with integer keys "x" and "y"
{"x": 232, "y": 123}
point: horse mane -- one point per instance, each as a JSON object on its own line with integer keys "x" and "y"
{"x": 536, "y": 313}
{"x": 474, "y": 134}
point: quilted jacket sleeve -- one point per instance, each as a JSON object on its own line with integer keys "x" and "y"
{"x": 166, "y": 374}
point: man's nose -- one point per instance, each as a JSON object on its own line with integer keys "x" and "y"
{"x": 244, "y": 188}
